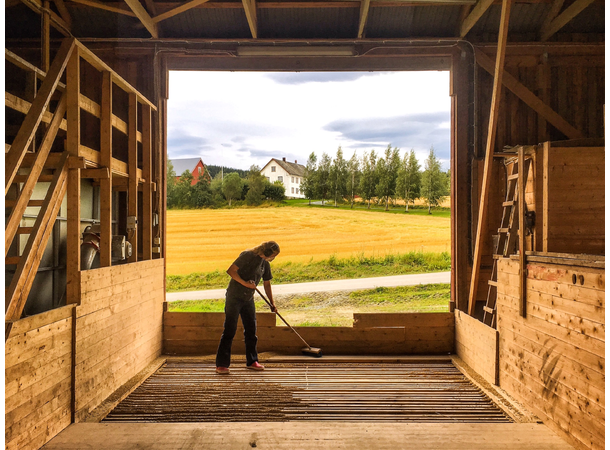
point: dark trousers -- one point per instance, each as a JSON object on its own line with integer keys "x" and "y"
{"x": 233, "y": 309}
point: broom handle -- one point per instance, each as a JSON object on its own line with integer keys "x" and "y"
{"x": 280, "y": 316}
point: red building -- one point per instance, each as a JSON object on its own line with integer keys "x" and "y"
{"x": 194, "y": 165}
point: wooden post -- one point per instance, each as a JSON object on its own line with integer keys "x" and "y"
{"x": 132, "y": 186}
{"x": 46, "y": 37}
{"x": 73, "y": 194}
{"x": 106, "y": 161}
{"x": 147, "y": 187}
{"x": 521, "y": 200}
{"x": 491, "y": 135}
{"x": 545, "y": 196}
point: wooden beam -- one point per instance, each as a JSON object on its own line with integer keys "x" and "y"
{"x": 25, "y": 194}
{"x": 105, "y": 6}
{"x": 144, "y": 17}
{"x": 106, "y": 161}
{"x": 555, "y": 8}
{"x": 73, "y": 198}
{"x": 489, "y": 150}
{"x": 477, "y": 12}
{"x": 102, "y": 173}
{"x": 250, "y": 9}
{"x": 132, "y": 162}
{"x": 147, "y": 236}
{"x": 46, "y": 37}
{"x": 40, "y": 104}
{"x": 151, "y": 7}
{"x": 63, "y": 12}
{"x": 560, "y": 21}
{"x": 180, "y": 9}
{"x": 530, "y": 99}
{"x": 521, "y": 200}
{"x": 364, "y": 14}
{"x": 58, "y": 23}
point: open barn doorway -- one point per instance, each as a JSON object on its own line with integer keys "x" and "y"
{"x": 348, "y": 171}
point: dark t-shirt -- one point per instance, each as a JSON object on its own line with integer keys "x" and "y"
{"x": 250, "y": 267}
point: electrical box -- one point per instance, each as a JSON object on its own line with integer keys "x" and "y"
{"x": 157, "y": 241}
{"x": 132, "y": 222}
{"x": 121, "y": 249}
{"x": 156, "y": 249}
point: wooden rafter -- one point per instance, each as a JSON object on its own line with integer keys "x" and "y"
{"x": 558, "y": 22}
{"x": 151, "y": 7}
{"x": 180, "y": 9}
{"x": 105, "y": 6}
{"x": 250, "y": 8}
{"x": 57, "y": 22}
{"x": 63, "y": 11}
{"x": 529, "y": 98}
{"x": 364, "y": 14}
{"x": 555, "y": 8}
{"x": 474, "y": 16}
{"x": 144, "y": 17}
{"x": 34, "y": 116}
{"x": 489, "y": 150}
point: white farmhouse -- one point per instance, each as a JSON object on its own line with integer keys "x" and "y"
{"x": 290, "y": 174}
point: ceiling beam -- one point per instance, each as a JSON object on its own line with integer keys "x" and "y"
{"x": 477, "y": 12}
{"x": 106, "y": 6}
{"x": 558, "y": 22}
{"x": 58, "y": 23}
{"x": 144, "y": 17}
{"x": 250, "y": 8}
{"x": 180, "y": 9}
{"x": 151, "y": 7}
{"x": 63, "y": 11}
{"x": 364, "y": 15}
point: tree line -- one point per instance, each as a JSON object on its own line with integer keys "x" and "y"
{"x": 223, "y": 188}
{"x": 376, "y": 178}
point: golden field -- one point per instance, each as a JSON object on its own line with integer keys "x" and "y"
{"x": 208, "y": 240}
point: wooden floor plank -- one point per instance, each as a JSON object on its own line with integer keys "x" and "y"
{"x": 307, "y": 435}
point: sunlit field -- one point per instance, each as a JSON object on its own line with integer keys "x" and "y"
{"x": 208, "y": 240}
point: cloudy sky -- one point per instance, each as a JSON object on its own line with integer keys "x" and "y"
{"x": 237, "y": 119}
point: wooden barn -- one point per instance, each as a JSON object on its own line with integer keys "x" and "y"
{"x": 94, "y": 360}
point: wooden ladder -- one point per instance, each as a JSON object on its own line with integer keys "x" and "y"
{"x": 24, "y": 170}
{"x": 504, "y": 241}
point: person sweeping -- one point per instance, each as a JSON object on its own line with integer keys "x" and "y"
{"x": 245, "y": 272}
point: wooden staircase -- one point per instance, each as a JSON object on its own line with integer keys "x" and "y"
{"x": 23, "y": 170}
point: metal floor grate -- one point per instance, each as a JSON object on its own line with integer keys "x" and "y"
{"x": 413, "y": 392}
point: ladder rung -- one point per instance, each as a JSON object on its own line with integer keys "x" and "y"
{"x": 12, "y": 260}
{"x": 25, "y": 230}
{"x": 492, "y": 283}
{"x": 514, "y": 176}
{"x": 498, "y": 256}
{"x": 503, "y": 230}
{"x": 488, "y": 310}
{"x": 23, "y": 178}
{"x": 510, "y": 203}
{"x": 11, "y": 203}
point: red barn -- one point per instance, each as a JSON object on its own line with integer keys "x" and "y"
{"x": 194, "y": 165}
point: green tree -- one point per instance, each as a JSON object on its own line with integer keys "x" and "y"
{"x": 183, "y": 191}
{"x": 274, "y": 191}
{"x": 202, "y": 193}
{"x": 368, "y": 177}
{"x": 387, "y": 173}
{"x": 324, "y": 177}
{"x": 171, "y": 186}
{"x": 256, "y": 182}
{"x": 353, "y": 178}
{"x": 338, "y": 175}
{"x": 408, "y": 184}
{"x": 309, "y": 181}
{"x": 434, "y": 187}
{"x": 232, "y": 186}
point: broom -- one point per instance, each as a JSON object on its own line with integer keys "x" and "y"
{"x": 309, "y": 350}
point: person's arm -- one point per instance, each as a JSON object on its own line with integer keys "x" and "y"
{"x": 267, "y": 285}
{"x": 232, "y": 271}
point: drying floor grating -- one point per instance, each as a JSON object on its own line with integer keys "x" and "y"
{"x": 410, "y": 392}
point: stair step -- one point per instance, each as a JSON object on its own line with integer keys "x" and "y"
{"x": 488, "y": 310}
{"x": 12, "y": 260}
{"x": 492, "y": 283}
{"x": 503, "y": 230}
{"x": 514, "y": 176}
{"x": 11, "y": 203}
{"x": 505, "y": 204}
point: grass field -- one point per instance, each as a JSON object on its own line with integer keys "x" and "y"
{"x": 208, "y": 240}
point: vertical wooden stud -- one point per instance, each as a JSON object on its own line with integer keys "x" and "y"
{"x": 73, "y": 194}
{"x": 545, "y": 196}
{"x": 46, "y": 37}
{"x": 132, "y": 185}
{"x": 521, "y": 199}
{"x": 147, "y": 187}
{"x": 106, "y": 161}
{"x": 491, "y": 135}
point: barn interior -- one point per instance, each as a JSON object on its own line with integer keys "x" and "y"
{"x": 86, "y": 323}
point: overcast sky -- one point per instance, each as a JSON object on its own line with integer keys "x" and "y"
{"x": 237, "y": 119}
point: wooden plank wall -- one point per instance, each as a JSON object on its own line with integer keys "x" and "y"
{"x": 38, "y": 368}
{"x": 553, "y": 360}
{"x": 118, "y": 329}
{"x": 574, "y": 200}
{"x": 477, "y": 345}
{"x": 373, "y": 334}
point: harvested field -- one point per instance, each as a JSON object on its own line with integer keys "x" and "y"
{"x": 208, "y": 240}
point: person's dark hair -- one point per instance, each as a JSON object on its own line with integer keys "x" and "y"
{"x": 267, "y": 249}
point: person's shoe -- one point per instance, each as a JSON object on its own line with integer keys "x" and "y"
{"x": 255, "y": 366}
{"x": 222, "y": 370}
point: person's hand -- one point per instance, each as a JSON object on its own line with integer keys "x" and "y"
{"x": 251, "y": 284}
{"x": 273, "y": 308}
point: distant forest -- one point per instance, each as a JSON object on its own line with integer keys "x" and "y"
{"x": 213, "y": 170}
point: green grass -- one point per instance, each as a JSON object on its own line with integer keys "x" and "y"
{"x": 333, "y": 268}
{"x": 416, "y": 210}
{"x": 332, "y": 310}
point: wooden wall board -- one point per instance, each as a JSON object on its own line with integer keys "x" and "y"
{"x": 183, "y": 319}
{"x": 368, "y": 320}
{"x": 477, "y": 345}
{"x": 554, "y": 359}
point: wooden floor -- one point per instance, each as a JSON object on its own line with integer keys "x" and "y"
{"x": 306, "y": 435}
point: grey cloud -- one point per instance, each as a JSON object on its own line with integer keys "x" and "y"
{"x": 317, "y": 77}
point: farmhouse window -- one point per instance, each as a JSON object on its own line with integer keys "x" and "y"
{"x": 297, "y": 190}
{"x": 272, "y": 168}
{"x": 280, "y": 178}
{"x": 292, "y": 180}
{"x": 293, "y": 190}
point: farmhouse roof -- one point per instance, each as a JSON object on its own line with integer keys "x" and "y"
{"x": 294, "y": 168}
{"x": 180, "y": 165}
